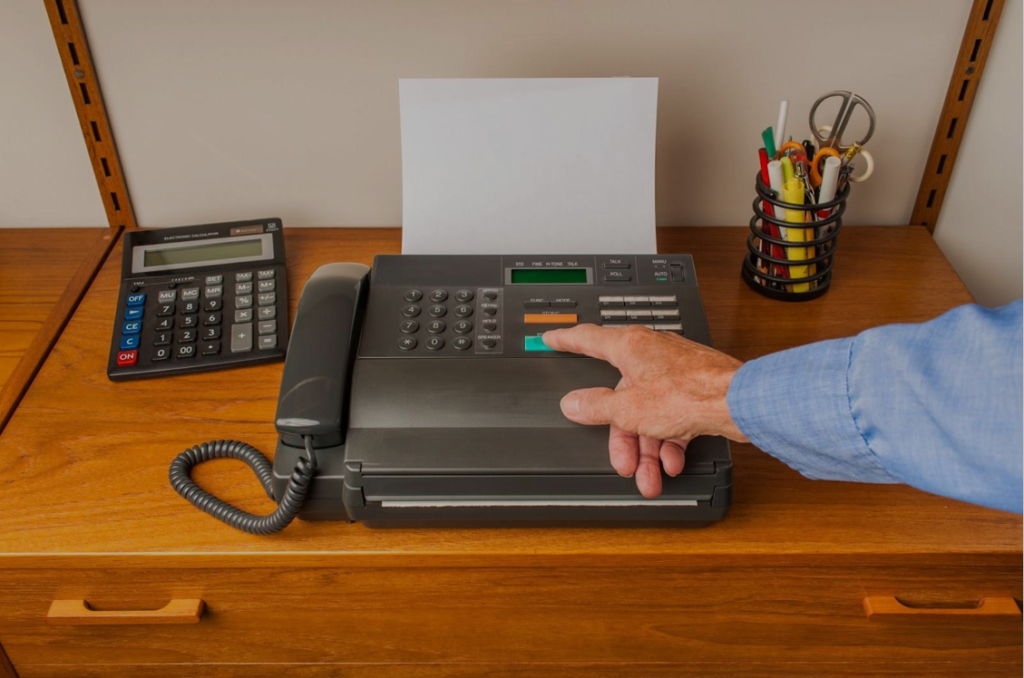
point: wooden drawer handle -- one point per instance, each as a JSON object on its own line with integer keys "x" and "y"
{"x": 78, "y": 613}
{"x": 891, "y": 606}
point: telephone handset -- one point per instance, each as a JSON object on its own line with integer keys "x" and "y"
{"x": 312, "y": 405}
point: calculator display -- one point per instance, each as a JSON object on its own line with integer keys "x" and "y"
{"x": 217, "y": 251}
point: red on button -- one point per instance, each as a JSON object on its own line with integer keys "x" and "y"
{"x": 125, "y": 358}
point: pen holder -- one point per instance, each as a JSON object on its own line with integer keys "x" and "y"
{"x": 787, "y": 260}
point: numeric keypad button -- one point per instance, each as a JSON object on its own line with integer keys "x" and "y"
{"x": 211, "y": 333}
{"x": 437, "y": 311}
{"x": 462, "y": 343}
{"x": 438, "y": 295}
{"x": 212, "y": 318}
{"x": 463, "y": 327}
{"x": 464, "y": 311}
{"x": 188, "y": 306}
{"x": 407, "y": 343}
{"x": 161, "y": 353}
{"x": 162, "y": 338}
{"x": 462, "y": 296}
{"x": 409, "y": 327}
{"x": 186, "y": 351}
{"x": 434, "y": 343}
{"x": 164, "y": 310}
{"x": 165, "y": 324}
{"x": 435, "y": 326}
{"x": 189, "y": 321}
{"x": 212, "y": 305}
{"x": 210, "y": 348}
{"x": 241, "y": 338}
{"x": 412, "y": 295}
{"x": 186, "y": 336}
{"x": 411, "y": 311}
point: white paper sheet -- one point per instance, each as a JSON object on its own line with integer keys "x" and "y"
{"x": 528, "y": 166}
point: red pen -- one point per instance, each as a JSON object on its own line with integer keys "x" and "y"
{"x": 768, "y": 227}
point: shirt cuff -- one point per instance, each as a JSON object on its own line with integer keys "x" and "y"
{"x": 795, "y": 405}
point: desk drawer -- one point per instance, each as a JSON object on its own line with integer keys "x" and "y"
{"x": 424, "y": 615}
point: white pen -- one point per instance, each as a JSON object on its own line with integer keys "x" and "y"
{"x": 780, "y": 128}
{"x": 829, "y": 182}
{"x": 775, "y": 183}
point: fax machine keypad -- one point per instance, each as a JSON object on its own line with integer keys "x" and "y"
{"x": 451, "y": 327}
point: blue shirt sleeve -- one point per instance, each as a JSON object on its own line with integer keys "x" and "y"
{"x": 936, "y": 405}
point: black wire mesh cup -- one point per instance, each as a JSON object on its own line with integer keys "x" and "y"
{"x": 771, "y": 259}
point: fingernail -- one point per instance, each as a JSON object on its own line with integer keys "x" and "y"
{"x": 571, "y": 405}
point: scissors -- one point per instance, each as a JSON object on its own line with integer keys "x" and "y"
{"x": 835, "y": 134}
{"x": 854, "y": 150}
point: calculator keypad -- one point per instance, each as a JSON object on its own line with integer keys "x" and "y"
{"x": 219, "y": 318}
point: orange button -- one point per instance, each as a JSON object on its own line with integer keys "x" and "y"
{"x": 550, "y": 318}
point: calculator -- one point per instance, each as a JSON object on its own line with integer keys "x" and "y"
{"x": 200, "y": 298}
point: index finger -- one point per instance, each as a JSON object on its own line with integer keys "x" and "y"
{"x": 603, "y": 343}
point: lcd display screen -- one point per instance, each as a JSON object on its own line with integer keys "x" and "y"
{"x": 549, "y": 276}
{"x": 197, "y": 254}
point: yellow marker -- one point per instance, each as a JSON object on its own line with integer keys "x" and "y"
{"x": 788, "y": 173}
{"x": 793, "y": 192}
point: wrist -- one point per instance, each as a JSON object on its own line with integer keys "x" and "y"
{"x": 719, "y": 416}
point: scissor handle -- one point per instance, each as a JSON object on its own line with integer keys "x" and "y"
{"x": 850, "y": 102}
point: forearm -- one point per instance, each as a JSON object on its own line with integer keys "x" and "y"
{"x": 936, "y": 405}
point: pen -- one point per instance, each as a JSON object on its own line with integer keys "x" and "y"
{"x": 769, "y": 141}
{"x": 768, "y": 227}
{"x": 780, "y": 128}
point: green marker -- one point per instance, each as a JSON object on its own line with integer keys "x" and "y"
{"x": 768, "y": 136}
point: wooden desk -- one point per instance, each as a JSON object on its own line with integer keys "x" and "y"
{"x": 43, "y": 272}
{"x": 777, "y": 588}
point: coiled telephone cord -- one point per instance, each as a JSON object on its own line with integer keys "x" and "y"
{"x": 287, "y": 509}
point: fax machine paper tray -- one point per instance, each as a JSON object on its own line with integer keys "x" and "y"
{"x": 506, "y": 476}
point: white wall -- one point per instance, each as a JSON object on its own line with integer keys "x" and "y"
{"x": 981, "y": 225}
{"x": 45, "y": 176}
{"x": 235, "y": 108}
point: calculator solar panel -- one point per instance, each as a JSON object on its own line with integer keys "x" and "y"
{"x": 199, "y": 298}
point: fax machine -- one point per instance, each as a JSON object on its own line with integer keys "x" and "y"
{"x": 420, "y": 392}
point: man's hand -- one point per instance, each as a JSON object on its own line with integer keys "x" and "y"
{"x": 672, "y": 390}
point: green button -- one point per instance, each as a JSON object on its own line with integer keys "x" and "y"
{"x": 536, "y": 344}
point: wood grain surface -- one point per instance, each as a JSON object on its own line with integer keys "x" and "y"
{"x": 97, "y": 482}
{"x": 777, "y": 588}
{"x": 527, "y": 670}
{"x": 979, "y": 34}
{"x": 43, "y": 274}
{"x": 604, "y": 613}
